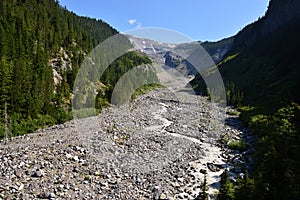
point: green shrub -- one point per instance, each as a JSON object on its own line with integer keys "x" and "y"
{"x": 144, "y": 89}
{"x": 233, "y": 113}
{"x": 237, "y": 145}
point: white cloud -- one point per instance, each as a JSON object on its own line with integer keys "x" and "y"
{"x": 132, "y": 21}
{"x": 135, "y": 22}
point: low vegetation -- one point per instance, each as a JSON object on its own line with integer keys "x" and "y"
{"x": 144, "y": 89}
{"x": 233, "y": 113}
{"x": 237, "y": 145}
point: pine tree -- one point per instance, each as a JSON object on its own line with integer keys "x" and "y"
{"x": 203, "y": 195}
{"x": 245, "y": 188}
{"x": 6, "y": 69}
{"x": 226, "y": 190}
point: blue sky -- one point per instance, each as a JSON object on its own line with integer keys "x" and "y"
{"x": 198, "y": 19}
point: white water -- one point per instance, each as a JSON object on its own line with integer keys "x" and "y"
{"x": 158, "y": 116}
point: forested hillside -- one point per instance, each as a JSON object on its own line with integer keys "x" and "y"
{"x": 261, "y": 74}
{"x": 42, "y": 46}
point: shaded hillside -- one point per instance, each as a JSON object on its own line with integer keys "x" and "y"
{"x": 266, "y": 58}
{"x": 261, "y": 74}
{"x": 262, "y": 62}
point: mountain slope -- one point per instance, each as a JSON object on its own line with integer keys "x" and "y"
{"x": 165, "y": 54}
{"x": 38, "y": 38}
{"x": 262, "y": 62}
{"x": 218, "y": 49}
{"x": 262, "y": 71}
{"x": 268, "y": 57}
{"x": 42, "y": 47}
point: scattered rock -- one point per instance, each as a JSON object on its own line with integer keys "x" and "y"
{"x": 180, "y": 180}
{"x": 212, "y": 167}
{"x": 37, "y": 174}
{"x": 44, "y": 195}
{"x": 52, "y": 195}
{"x": 158, "y": 154}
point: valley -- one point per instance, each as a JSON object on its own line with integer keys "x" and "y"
{"x": 159, "y": 146}
{"x": 88, "y": 112}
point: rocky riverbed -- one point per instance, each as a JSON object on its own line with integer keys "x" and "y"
{"x": 160, "y": 146}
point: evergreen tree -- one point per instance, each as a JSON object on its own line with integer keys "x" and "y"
{"x": 6, "y": 69}
{"x": 32, "y": 32}
{"x": 226, "y": 190}
{"x": 246, "y": 188}
{"x": 203, "y": 195}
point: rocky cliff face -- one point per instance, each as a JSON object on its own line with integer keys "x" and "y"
{"x": 218, "y": 49}
{"x": 182, "y": 65}
{"x": 279, "y": 13}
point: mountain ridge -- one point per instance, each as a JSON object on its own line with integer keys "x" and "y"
{"x": 253, "y": 53}
{"x": 261, "y": 74}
